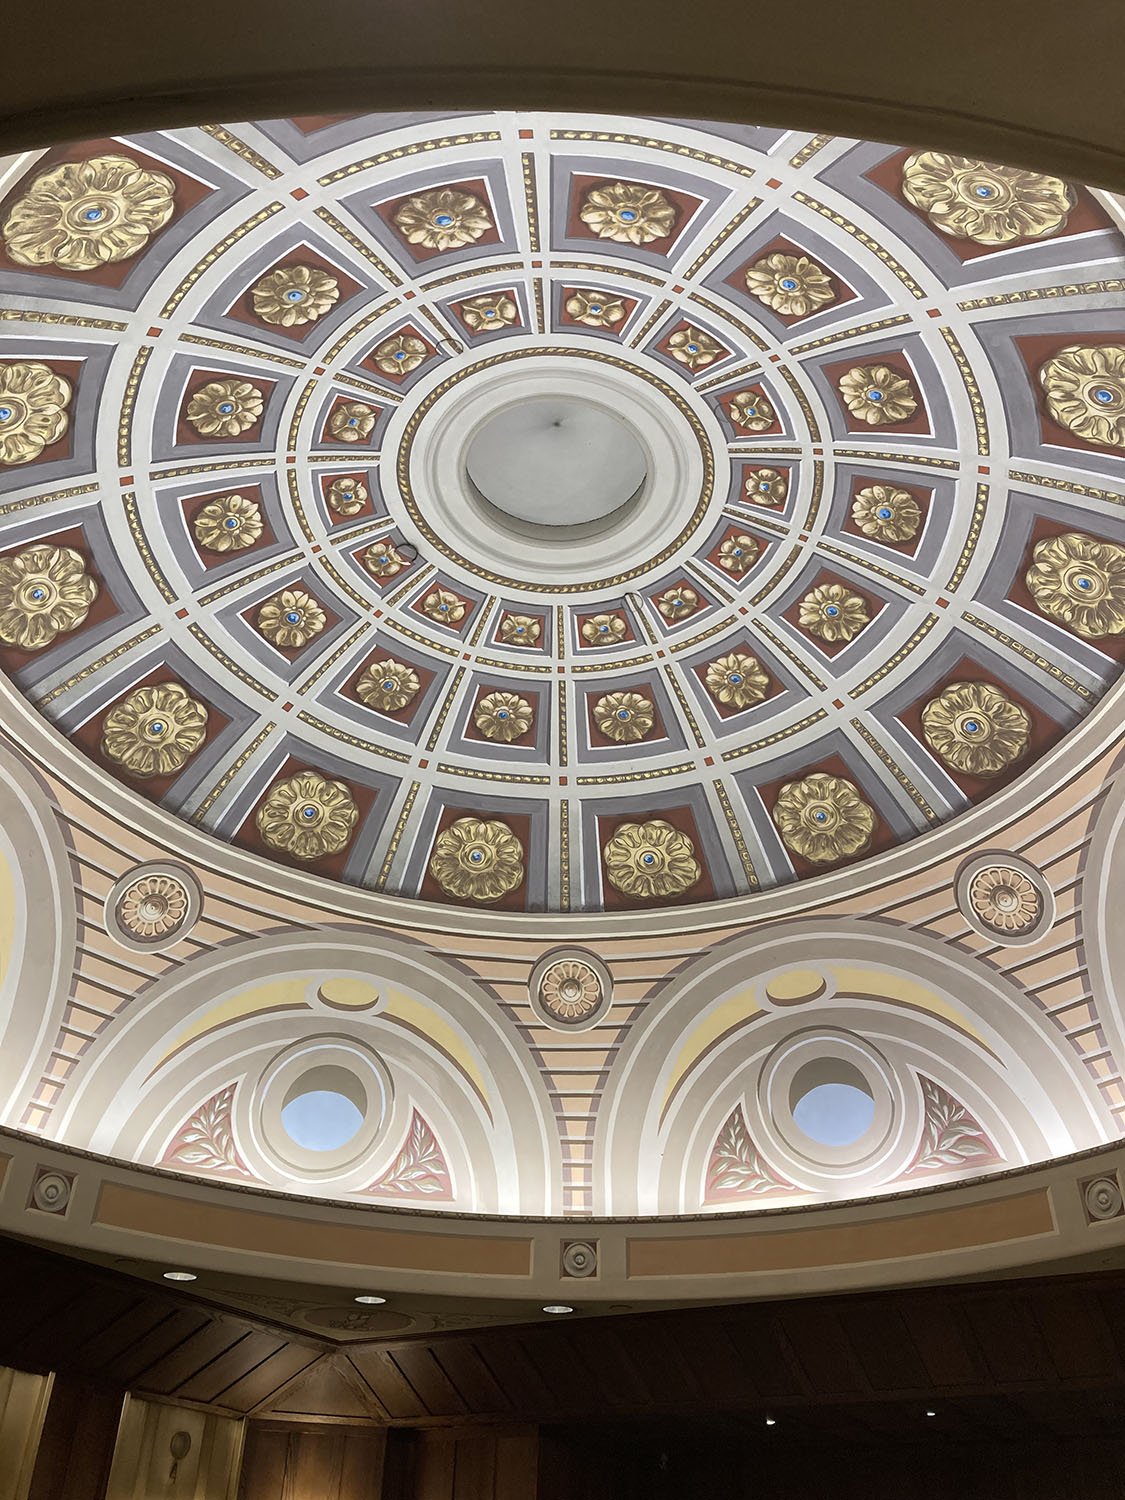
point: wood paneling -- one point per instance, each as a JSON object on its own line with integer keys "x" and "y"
{"x": 483, "y": 1464}
{"x": 330, "y": 1463}
{"x": 76, "y": 1445}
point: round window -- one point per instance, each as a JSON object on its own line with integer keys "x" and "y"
{"x": 831, "y": 1102}
{"x": 324, "y": 1109}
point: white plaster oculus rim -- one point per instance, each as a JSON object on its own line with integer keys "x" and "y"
{"x": 475, "y": 533}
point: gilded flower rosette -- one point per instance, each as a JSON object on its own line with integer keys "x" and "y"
{"x": 307, "y": 816}
{"x": 650, "y": 861}
{"x": 477, "y": 859}
{"x": 823, "y": 818}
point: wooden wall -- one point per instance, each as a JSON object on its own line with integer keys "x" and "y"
{"x": 313, "y": 1463}
{"x": 482, "y": 1463}
{"x": 76, "y": 1445}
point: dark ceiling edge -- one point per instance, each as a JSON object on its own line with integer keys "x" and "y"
{"x": 652, "y": 95}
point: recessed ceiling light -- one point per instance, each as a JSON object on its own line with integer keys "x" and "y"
{"x": 557, "y": 1307}
{"x": 180, "y": 1276}
{"x": 931, "y": 1413}
{"x": 369, "y": 1299}
{"x": 771, "y": 1421}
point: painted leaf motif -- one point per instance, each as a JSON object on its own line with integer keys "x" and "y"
{"x": 951, "y": 1137}
{"x": 206, "y": 1141}
{"x": 736, "y": 1169}
{"x": 419, "y": 1169}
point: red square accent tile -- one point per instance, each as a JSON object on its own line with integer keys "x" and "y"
{"x": 525, "y": 135}
{"x": 291, "y": 458}
{"x": 126, "y": 479}
{"x": 943, "y": 604}
{"x": 285, "y": 707}
{"x": 316, "y": 546}
{"x": 318, "y": 370}
{"x": 773, "y": 182}
{"x": 677, "y": 288}
{"x": 983, "y": 469}
{"x": 536, "y": 265}
{"x": 181, "y": 614}
{"x": 933, "y": 312}
{"x": 742, "y": 610}
{"x": 423, "y": 765}
{"x": 466, "y": 656}
{"x": 818, "y": 452}
{"x": 660, "y": 653}
{"x": 560, "y": 669}
{"x": 298, "y": 193}
{"x": 775, "y": 359}
{"x": 804, "y": 536}
{"x": 564, "y": 781}
{"x": 410, "y": 296}
{"x": 708, "y": 760}
{"x": 154, "y": 333}
{"x": 377, "y": 613}
{"x": 837, "y": 703}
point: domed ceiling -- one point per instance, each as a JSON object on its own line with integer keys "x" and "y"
{"x": 557, "y": 514}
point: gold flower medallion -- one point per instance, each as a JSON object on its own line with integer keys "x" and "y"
{"x": 975, "y": 728}
{"x": 1080, "y": 581}
{"x": 878, "y": 395}
{"x": 153, "y": 906}
{"x": 294, "y": 295}
{"x": 477, "y": 859}
{"x": 33, "y": 410}
{"x": 446, "y": 219}
{"x": 347, "y": 497}
{"x": 400, "y": 354}
{"x": 823, "y": 818}
{"x": 570, "y": 990}
{"x": 444, "y": 607}
{"x": 650, "y": 861}
{"x": 595, "y": 309}
{"x": 886, "y": 513}
{"x": 291, "y": 619}
{"x": 384, "y": 560}
{"x": 520, "y": 630}
{"x": 86, "y": 214}
{"x": 229, "y": 524}
{"x": 307, "y": 816}
{"x": 751, "y": 411}
{"x": 738, "y": 553}
{"x": 604, "y": 630}
{"x": 833, "y": 613}
{"x": 388, "y": 685}
{"x": 352, "y": 422}
{"x": 792, "y": 285}
{"x": 624, "y": 717}
{"x": 1005, "y": 899}
{"x": 736, "y": 681}
{"x": 503, "y": 716}
{"x": 44, "y": 593}
{"x": 225, "y": 408}
{"x": 677, "y": 603}
{"x": 766, "y": 487}
{"x": 490, "y": 312}
{"x": 694, "y": 348}
{"x": 984, "y": 202}
{"x": 628, "y": 212}
{"x": 1085, "y": 389}
{"x": 155, "y": 730}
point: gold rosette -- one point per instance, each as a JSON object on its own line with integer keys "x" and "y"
{"x": 445, "y": 219}
{"x": 624, "y": 717}
{"x": 225, "y": 408}
{"x": 694, "y": 348}
{"x": 604, "y": 630}
{"x": 1005, "y": 899}
{"x": 351, "y": 422}
{"x": 33, "y": 410}
{"x": 595, "y": 309}
{"x": 520, "y": 630}
{"x": 823, "y": 818}
{"x": 229, "y": 524}
{"x": 384, "y": 560}
{"x": 1085, "y": 390}
{"x": 490, "y": 312}
{"x": 976, "y": 728}
{"x": 833, "y": 613}
{"x": 766, "y": 487}
{"x": 650, "y": 861}
{"x": 792, "y": 285}
{"x": 291, "y": 619}
{"x": 677, "y": 603}
{"x": 400, "y": 354}
{"x": 444, "y": 607}
{"x": 751, "y": 411}
{"x": 736, "y": 681}
{"x": 307, "y": 816}
{"x": 984, "y": 202}
{"x": 477, "y": 859}
{"x": 294, "y": 295}
{"x": 388, "y": 685}
{"x": 44, "y": 593}
{"x": 153, "y": 906}
{"x": 628, "y": 212}
{"x": 347, "y": 497}
{"x": 155, "y": 730}
{"x": 738, "y": 553}
{"x": 878, "y": 395}
{"x": 503, "y": 716}
{"x": 86, "y": 214}
{"x": 570, "y": 990}
{"x": 1080, "y": 581}
{"x": 886, "y": 513}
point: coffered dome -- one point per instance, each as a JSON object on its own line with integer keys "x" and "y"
{"x": 557, "y": 513}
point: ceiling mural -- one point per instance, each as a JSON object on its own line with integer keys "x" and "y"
{"x": 590, "y": 530}
{"x": 288, "y": 414}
